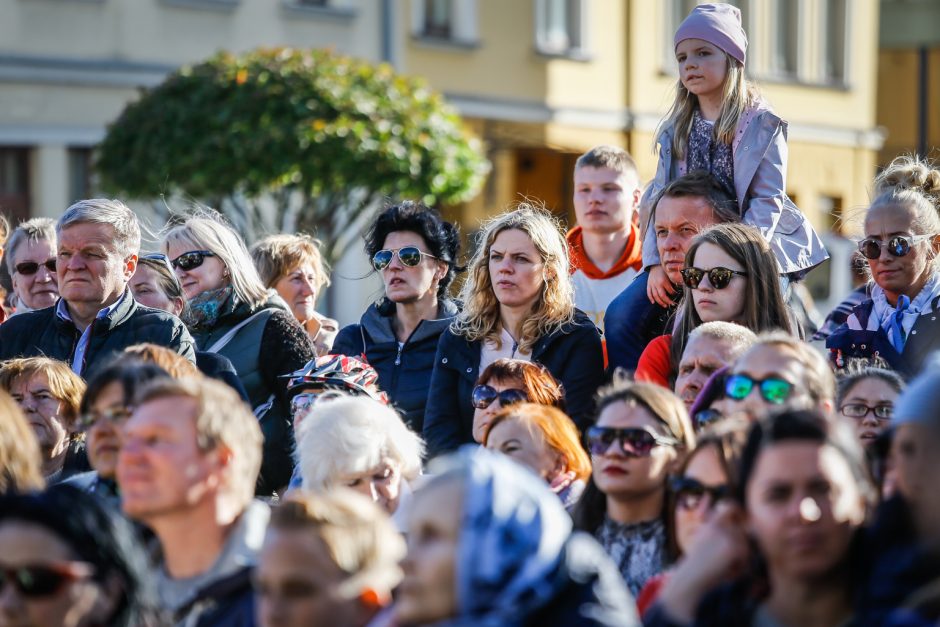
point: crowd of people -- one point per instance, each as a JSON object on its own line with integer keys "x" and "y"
{"x": 636, "y": 422}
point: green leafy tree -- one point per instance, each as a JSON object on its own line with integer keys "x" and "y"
{"x": 289, "y": 139}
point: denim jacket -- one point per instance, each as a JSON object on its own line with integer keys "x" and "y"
{"x": 760, "y": 171}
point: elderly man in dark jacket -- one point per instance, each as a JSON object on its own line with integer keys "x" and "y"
{"x": 96, "y": 315}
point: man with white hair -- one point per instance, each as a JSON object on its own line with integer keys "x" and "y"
{"x": 710, "y": 347}
{"x": 96, "y": 315}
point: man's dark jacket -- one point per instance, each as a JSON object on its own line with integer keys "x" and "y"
{"x": 43, "y": 333}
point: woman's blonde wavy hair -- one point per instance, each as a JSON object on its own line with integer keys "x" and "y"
{"x": 738, "y": 94}
{"x": 554, "y": 308}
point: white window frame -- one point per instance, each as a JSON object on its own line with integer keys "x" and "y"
{"x": 464, "y": 29}
{"x": 576, "y": 50}
{"x": 824, "y": 34}
{"x": 774, "y": 70}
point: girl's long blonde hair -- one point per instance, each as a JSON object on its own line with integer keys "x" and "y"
{"x": 738, "y": 94}
{"x": 479, "y": 319}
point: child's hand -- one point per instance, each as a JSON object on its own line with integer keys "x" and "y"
{"x": 659, "y": 288}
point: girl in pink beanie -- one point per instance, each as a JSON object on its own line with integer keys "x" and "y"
{"x": 719, "y": 123}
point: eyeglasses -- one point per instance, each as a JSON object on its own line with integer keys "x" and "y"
{"x": 408, "y": 255}
{"x": 43, "y": 580}
{"x": 301, "y": 403}
{"x": 114, "y": 415}
{"x": 858, "y": 410}
{"x": 27, "y": 268}
{"x": 191, "y": 260}
{"x": 634, "y": 442}
{"x": 706, "y": 418}
{"x": 772, "y": 389}
{"x": 897, "y": 246}
{"x": 690, "y": 492}
{"x": 483, "y": 396}
{"x": 718, "y": 277}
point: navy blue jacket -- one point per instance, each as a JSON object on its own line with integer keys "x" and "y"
{"x": 404, "y": 372}
{"x": 872, "y": 340}
{"x": 573, "y": 355}
{"x": 632, "y": 322}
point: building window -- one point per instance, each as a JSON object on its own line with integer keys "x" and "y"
{"x": 80, "y": 180}
{"x": 785, "y": 27}
{"x": 674, "y": 11}
{"x": 445, "y": 21}
{"x": 830, "y": 210}
{"x": 835, "y": 38}
{"x": 14, "y": 183}
{"x": 560, "y": 27}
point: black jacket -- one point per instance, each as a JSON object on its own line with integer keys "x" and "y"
{"x": 404, "y": 372}
{"x": 43, "y": 333}
{"x": 573, "y": 355}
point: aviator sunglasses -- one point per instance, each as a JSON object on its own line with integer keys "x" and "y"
{"x": 483, "y": 396}
{"x": 408, "y": 255}
{"x": 773, "y": 390}
{"x": 43, "y": 580}
{"x": 634, "y": 442}
{"x": 27, "y": 268}
{"x": 718, "y": 277}
{"x": 897, "y": 246}
{"x": 192, "y": 259}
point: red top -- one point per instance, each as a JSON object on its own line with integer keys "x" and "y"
{"x": 653, "y": 366}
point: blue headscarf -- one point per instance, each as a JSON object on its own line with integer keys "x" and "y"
{"x": 512, "y": 537}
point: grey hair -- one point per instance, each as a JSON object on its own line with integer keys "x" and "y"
{"x": 738, "y": 337}
{"x": 31, "y": 231}
{"x": 105, "y": 211}
{"x": 353, "y": 434}
{"x": 208, "y": 232}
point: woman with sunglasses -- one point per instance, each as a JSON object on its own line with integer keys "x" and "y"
{"x": 518, "y": 303}
{"x": 231, "y": 313}
{"x": 414, "y": 251}
{"x": 543, "y": 439}
{"x": 899, "y": 320}
{"x": 730, "y": 275}
{"x": 708, "y": 475}
{"x": 105, "y": 406}
{"x": 30, "y": 257}
{"x": 641, "y": 435}
{"x": 788, "y": 552}
{"x": 506, "y": 382}
{"x": 67, "y": 560}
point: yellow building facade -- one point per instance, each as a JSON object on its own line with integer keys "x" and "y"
{"x": 541, "y": 81}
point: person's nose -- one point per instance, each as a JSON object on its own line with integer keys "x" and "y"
{"x": 869, "y": 419}
{"x": 672, "y": 241}
{"x": 44, "y": 275}
{"x": 705, "y": 285}
{"x": 306, "y": 287}
{"x": 505, "y": 266}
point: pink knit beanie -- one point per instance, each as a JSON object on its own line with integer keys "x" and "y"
{"x": 719, "y": 24}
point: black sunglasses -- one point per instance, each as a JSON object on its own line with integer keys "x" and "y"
{"x": 27, "y": 268}
{"x": 408, "y": 255}
{"x": 483, "y": 396}
{"x": 897, "y": 246}
{"x": 634, "y": 442}
{"x": 718, "y": 277}
{"x": 690, "y": 492}
{"x": 192, "y": 259}
{"x": 44, "y": 580}
{"x": 774, "y": 390}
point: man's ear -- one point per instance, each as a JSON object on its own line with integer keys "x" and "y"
{"x": 130, "y": 266}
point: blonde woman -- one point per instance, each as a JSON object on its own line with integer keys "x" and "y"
{"x": 293, "y": 266}
{"x": 517, "y": 303}
{"x": 232, "y": 313}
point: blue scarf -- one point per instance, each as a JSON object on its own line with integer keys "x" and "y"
{"x": 898, "y": 320}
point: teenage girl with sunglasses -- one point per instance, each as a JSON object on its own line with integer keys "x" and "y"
{"x": 414, "y": 251}
{"x": 898, "y": 322}
{"x": 518, "y": 303}
{"x": 641, "y": 435}
{"x": 730, "y": 275}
